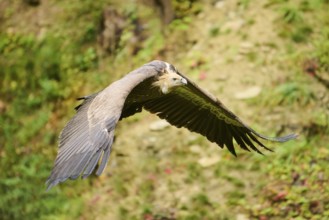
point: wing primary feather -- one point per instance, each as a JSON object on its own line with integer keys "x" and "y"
{"x": 75, "y": 161}
{"x": 92, "y": 164}
{"x": 157, "y": 106}
{"x": 176, "y": 116}
{"x": 217, "y": 130}
{"x": 105, "y": 158}
{"x": 63, "y": 160}
{"x": 64, "y": 171}
{"x": 179, "y": 121}
{"x": 194, "y": 123}
{"x": 258, "y": 142}
{"x": 220, "y": 132}
{"x": 184, "y": 118}
{"x": 190, "y": 122}
{"x": 164, "y": 100}
{"x": 223, "y": 132}
{"x": 211, "y": 135}
{"x": 238, "y": 137}
{"x": 73, "y": 129}
{"x": 68, "y": 152}
{"x": 167, "y": 108}
{"x": 79, "y": 166}
{"x": 164, "y": 104}
{"x": 229, "y": 140}
{"x": 160, "y": 109}
{"x": 106, "y": 155}
{"x": 248, "y": 141}
{"x": 203, "y": 125}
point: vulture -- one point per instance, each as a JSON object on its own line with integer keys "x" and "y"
{"x": 159, "y": 88}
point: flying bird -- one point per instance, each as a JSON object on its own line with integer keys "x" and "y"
{"x": 159, "y": 88}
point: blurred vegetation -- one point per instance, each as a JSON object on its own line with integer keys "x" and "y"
{"x": 43, "y": 67}
{"x": 37, "y": 76}
{"x": 46, "y": 62}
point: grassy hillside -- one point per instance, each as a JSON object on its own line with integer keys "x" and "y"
{"x": 55, "y": 51}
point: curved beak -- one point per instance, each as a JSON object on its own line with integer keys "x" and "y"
{"x": 183, "y": 81}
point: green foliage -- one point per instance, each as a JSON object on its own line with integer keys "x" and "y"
{"x": 244, "y": 3}
{"x": 186, "y": 8}
{"x": 291, "y": 93}
{"x": 39, "y": 72}
{"x": 180, "y": 24}
{"x": 42, "y": 73}
{"x": 291, "y": 14}
{"x": 297, "y": 18}
{"x": 322, "y": 49}
{"x": 36, "y": 72}
{"x": 297, "y": 189}
{"x": 35, "y": 77}
{"x": 214, "y": 31}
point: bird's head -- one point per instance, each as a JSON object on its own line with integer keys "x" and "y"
{"x": 169, "y": 79}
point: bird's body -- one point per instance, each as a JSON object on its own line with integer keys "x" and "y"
{"x": 160, "y": 89}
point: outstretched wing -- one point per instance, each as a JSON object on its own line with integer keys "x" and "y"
{"x": 88, "y": 136}
{"x": 193, "y": 108}
{"x": 82, "y": 145}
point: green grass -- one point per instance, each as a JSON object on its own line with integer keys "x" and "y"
{"x": 42, "y": 74}
{"x": 298, "y": 188}
{"x": 40, "y": 77}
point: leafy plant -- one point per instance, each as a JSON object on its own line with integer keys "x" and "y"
{"x": 322, "y": 49}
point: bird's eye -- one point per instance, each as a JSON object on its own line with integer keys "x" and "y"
{"x": 175, "y": 79}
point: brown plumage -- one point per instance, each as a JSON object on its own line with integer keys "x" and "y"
{"x": 160, "y": 89}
